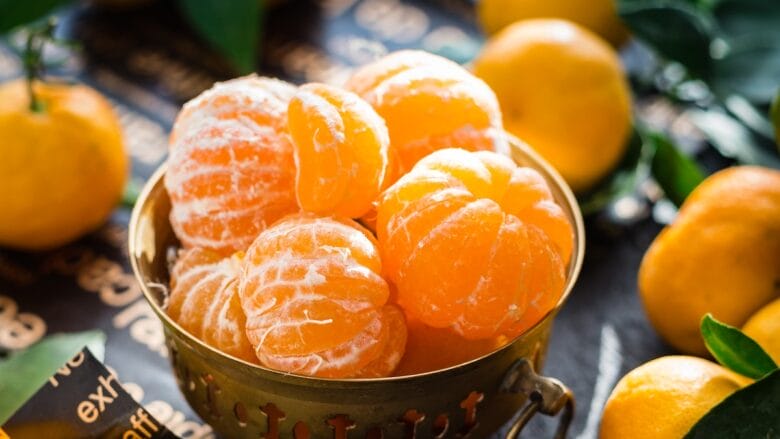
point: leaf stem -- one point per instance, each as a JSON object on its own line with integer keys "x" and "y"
{"x": 33, "y": 60}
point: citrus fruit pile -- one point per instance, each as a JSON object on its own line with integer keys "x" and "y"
{"x": 325, "y": 229}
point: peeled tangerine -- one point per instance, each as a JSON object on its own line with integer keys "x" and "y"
{"x": 450, "y": 349}
{"x": 315, "y": 301}
{"x": 474, "y": 243}
{"x": 429, "y": 103}
{"x": 204, "y": 301}
{"x": 340, "y": 151}
{"x": 231, "y": 170}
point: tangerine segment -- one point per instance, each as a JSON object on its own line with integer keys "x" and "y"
{"x": 204, "y": 301}
{"x": 394, "y": 348}
{"x": 313, "y": 297}
{"x": 520, "y": 191}
{"x": 459, "y": 257}
{"x": 429, "y": 103}
{"x": 450, "y": 349}
{"x": 344, "y": 360}
{"x": 340, "y": 150}
{"x": 231, "y": 167}
{"x": 252, "y": 99}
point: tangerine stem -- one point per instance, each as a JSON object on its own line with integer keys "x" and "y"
{"x": 33, "y": 59}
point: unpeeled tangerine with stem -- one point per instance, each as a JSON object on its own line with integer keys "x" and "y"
{"x": 474, "y": 243}
{"x": 315, "y": 301}
{"x": 340, "y": 151}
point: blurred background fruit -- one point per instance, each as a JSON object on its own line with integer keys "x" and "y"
{"x": 600, "y": 16}
{"x": 561, "y": 88}
{"x": 718, "y": 256}
{"x": 62, "y": 164}
{"x": 664, "y": 398}
{"x": 764, "y": 328}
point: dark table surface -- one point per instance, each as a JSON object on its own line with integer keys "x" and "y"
{"x": 149, "y": 62}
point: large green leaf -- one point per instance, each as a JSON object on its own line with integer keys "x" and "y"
{"x": 231, "y": 26}
{"x": 15, "y": 13}
{"x": 751, "y": 412}
{"x": 775, "y": 115}
{"x": 735, "y": 350}
{"x": 678, "y": 30}
{"x": 676, "y": 173}
{"x": 748, "y": 114}
{"x": 23, "y": 373}
{"x": 751, "y": 67}
{"x": 737, "y": 18}
{"x": 732, "y": 139}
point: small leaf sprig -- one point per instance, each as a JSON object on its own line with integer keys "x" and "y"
{"x": 37, "y": 38}
{"x": 754, "y": 410}
{"x": 735, "y": 350}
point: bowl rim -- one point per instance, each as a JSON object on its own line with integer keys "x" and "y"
{"x": 536, "y": 161}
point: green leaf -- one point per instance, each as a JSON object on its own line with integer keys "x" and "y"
{"x": 775, "y": 115}
{"x": 621, "y": 182}
{"x": 232, "y": 27}
{"x": 735, "y": 350}
{"x": 751, "y": 412}
{"x": 750, "y": 67}
{"x": 18, "y": 12}
{"x": 732, "y": 139}
{"x": 678, "y": 30}
{"x": 132, "y": 191}
{"x": 749, "y": 115}
{"x": 676, "y": 173}
{"x": 737, "y": 18}
{"x": 23, "y": 373}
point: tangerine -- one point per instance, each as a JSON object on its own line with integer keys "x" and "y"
{"x": 451, "y": 349}
{"x": 315, "y": 301}
{"x": 340, "y": 151}
{"x": 429, "y": 103}
{"x": 563, "y": 91}
{"x": 231, "y": 167}
{"x": 725, "y": 238}
{"x": 474, "y": 243}
{"x": 204, "y": 301}
{"x": 62, "y": 167}
{"x": 665, "y": 397}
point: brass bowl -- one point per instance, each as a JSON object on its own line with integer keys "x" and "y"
{"x": 243, "y": 400}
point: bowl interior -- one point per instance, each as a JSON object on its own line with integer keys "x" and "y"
{"x": 152, "y": 238}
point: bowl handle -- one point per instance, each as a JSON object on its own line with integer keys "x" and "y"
{"x": 545, "y": 395}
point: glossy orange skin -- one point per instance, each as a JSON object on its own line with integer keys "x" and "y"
{"x": 719, "y": 256}
{"x": 563, "y": 91}
{"x": 665, "y": 397}
{"x": 63, "y": 169}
